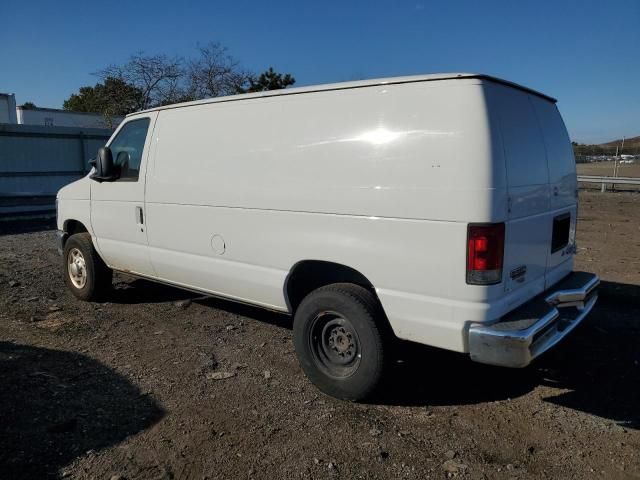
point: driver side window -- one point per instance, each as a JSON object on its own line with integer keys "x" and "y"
{"x": 127, "y": 149}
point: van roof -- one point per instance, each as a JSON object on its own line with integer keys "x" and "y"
{"x": 354, "y": 84}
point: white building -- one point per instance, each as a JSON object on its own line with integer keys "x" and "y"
{"x": 8, "y": 108}
{"x": 51, "y": 117}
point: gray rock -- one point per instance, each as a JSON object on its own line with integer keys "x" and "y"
{"x": 266, "y": 374}
{"x": 382, "y": 456}
{"x": 451, "y": 466}
{"x": 450, "y": 454}
{"x": 13, "y": 283}
{"x": 206, "y": 362}
{"x": 219, "y": 375}
{"x": 374, "y": 432}
{"x": 183, "y": 303}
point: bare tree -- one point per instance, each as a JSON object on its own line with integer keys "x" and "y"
{"x": 156, "y": 76}
{"x": 214, "y": 73}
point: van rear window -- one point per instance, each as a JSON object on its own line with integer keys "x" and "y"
{"x": 560, "y": 235}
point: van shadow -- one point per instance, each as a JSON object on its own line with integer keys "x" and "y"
{"x": 601, "y": 366}
{"x": 145, "y": 291}
{"x": 598, "y": 363}
{"x": 56, "y": 406}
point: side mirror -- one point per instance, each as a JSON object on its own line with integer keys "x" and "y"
{"x": 105, "y": 169}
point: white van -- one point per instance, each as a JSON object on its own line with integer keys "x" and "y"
{"x": 439, "y": 209}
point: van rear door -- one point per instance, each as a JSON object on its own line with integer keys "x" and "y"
{"x": 540, "y": 188}
{"x": 563, "y": 187}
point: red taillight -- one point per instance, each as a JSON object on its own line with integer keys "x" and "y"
{"x": 485, "y": 251}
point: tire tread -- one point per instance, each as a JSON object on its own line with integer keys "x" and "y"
{"x": 376, "y": 322}
{"x": 99, "y": 274}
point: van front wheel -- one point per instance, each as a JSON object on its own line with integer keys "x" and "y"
{"x": 85, "y": 274}
{"x": 339, "y": 342}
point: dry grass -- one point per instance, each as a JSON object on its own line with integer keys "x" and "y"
{"x": 606, "y": 168}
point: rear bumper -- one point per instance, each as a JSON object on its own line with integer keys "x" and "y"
{"x": 530, "y": 330}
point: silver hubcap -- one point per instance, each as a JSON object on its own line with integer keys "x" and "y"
{"x": 77, "y": 268}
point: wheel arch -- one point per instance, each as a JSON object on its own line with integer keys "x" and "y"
{"x": 72, "y": 226}
{"x": 308, "y": 275}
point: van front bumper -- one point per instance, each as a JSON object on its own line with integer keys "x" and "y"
{"x": 530, "y": 330}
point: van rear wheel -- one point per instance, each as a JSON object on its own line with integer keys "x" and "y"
{"x": 338, "y": 339}
{"x": 85, "y": 274}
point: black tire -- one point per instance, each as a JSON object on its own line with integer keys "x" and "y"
{"x": 97, "y": 278}
{"x": 339, "y": 337}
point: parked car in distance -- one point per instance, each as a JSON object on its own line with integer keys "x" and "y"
{"x": 439, "y": 209}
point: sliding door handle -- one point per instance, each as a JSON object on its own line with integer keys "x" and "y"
{"x": 139, "y": 216}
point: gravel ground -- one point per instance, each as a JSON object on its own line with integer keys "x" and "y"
{"x": 607, "y": 169}
{"x": 159, "y": 384}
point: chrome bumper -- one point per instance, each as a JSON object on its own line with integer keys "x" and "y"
{"x": 519, "y": 337}
{"x": 61, "y": 237}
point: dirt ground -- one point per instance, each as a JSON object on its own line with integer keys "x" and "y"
{"x": 131, "y": 389}
{"x": 606, "y": 169}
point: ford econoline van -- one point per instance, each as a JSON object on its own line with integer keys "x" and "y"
{"x": 439, "y": 209}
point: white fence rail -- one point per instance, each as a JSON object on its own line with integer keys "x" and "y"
{"x": 604, "y": 181}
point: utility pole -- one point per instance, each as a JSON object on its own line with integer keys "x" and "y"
{"x": 615, "y": 168}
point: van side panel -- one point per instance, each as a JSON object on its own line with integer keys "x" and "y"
{"x": 381, "y": 179}
{"x": 263, "y": 245}
{"x": 396, "y": 151}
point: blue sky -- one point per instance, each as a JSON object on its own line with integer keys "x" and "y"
{"x": 585, "y": 53}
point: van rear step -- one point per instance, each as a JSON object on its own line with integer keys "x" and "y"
{"x": 530, "y": 330}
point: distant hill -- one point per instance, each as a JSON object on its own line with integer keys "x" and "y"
{"x": 628, "y": 142}
{"x": 631, "y": 147}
